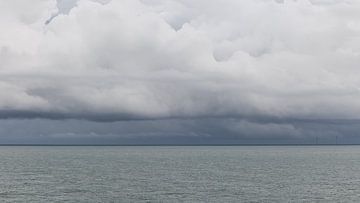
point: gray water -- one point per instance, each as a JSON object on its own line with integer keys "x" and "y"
{"x": 180, "y": 174}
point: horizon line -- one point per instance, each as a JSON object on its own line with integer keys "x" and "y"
{"x": 180, "y": 145}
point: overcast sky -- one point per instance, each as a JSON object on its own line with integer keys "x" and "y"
{"x": 179, "y": 71}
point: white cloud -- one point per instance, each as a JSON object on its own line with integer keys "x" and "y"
{"x": 180, "y": 58}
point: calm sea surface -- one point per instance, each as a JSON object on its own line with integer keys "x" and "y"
{"x": 180, "y": 174}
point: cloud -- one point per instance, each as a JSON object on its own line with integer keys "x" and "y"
{"x": 156, "y": 59}
{"x": 176, "y": 131}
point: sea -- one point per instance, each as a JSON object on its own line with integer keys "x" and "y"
{"x": 180, "y": 173}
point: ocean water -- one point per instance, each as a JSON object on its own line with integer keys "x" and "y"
{"x": 180, "y": 174}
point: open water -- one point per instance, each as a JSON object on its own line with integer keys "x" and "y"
{"x": 180, "y": 174}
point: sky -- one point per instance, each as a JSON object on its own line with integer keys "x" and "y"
{"x": 179, "y": 71}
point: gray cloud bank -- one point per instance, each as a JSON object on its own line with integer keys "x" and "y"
{"x": 175, "y": 131}
{"x": 169, "y": 59}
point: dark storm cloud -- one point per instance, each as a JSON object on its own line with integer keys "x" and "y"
{"x": 175, "y": 131}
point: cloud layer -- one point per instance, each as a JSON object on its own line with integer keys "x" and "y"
{"x": 158, "y": 59}
{"x": 255, "y": 66}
